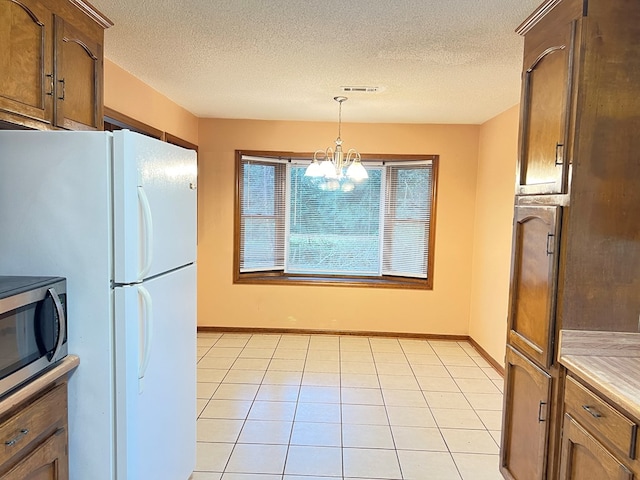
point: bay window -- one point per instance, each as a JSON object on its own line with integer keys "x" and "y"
{"x": 292, "y": 229}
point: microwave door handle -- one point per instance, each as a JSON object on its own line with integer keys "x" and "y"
{"x": 62, "y": 321}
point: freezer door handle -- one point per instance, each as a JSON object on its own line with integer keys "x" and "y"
{"x": 147, "y": 234}
{"x": 147, "y": 332}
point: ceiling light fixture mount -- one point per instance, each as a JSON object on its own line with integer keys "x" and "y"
{"x": 330, "y": 164}
{"x": 358, "y": 89}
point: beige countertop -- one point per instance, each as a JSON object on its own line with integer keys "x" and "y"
{"x": 608, "y": 361}
{"x": 66, "y": 365}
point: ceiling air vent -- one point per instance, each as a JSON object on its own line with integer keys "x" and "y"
{"x": 359, "y": 88}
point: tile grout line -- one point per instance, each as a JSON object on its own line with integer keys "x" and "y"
{"x": 244, "y": 422}
{"x": 440, "y": 430}
{"x": 340, "y": 387}
{"x": 295, "y": 412}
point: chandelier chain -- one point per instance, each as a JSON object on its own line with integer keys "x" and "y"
{"x": 333, "y": 163}
{"x": 340, "y": 119}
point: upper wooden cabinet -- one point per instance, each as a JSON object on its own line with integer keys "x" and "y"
{"x": 53, "y": 65}
{"x": 546, "y": 103}
{"x": 79, "y": 87}
{"x": 26, "y": 59}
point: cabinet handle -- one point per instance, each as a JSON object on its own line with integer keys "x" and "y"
{"x": 594, "y": 413}
{"x": 23, "y": 432}
{"x": 540, "y": 419}
{"x": 50, "y": 77}
{"x": 559, "y": 146}
{"x": 550, "y": 237}
{"x": 62, "y": 82}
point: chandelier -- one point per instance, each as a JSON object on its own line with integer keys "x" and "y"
{"x": 331, "y": 164}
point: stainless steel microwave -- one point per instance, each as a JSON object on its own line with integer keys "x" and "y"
{"x": 33, "y": 327}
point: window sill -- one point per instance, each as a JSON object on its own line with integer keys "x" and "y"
{"x": 318, "y": 280}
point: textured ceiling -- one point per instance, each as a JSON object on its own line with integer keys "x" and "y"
{"x": 434, "y": 61}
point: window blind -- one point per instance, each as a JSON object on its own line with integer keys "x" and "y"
{"x": 407, "y": 216}
{"x": 333, "y": 232}
{"x": 262, "y": 214}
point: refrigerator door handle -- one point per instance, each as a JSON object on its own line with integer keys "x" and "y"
{"x": 148, "y": 232}
{"x": 148, "y": 334}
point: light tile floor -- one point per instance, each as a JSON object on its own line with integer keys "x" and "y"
{"x": 312, "y": 407}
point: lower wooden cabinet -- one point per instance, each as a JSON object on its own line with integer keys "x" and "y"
{"x": 585, "y": 458}
{"x": 525, "y": 431}
{"x": 46, "y": 462}
{"x": 33, "y": 437}
{"x": 598, "y": 440}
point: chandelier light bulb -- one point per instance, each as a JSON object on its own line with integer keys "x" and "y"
{"x": 331, "y": 164}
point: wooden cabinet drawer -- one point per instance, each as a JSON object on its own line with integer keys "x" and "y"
{"x": 32, "y": 422}
{"x": 604, "y": 422}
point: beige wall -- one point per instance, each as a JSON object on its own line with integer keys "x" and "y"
{"x": 492, "y": 232}
{"x": 473, "y": 232}
{"x": 128, "y": 95}
{"x": 445, "y": 310}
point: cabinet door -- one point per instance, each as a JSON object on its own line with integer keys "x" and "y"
{"x": 47, "y": 462}
{"x": 545, "y": 108}
{"x": 534, "y": 281}
{"x": 26, "y": 39}
{"x": 78, "y": 79}
{"x": 525, "y": 432}
{"x": 584, "y": 458}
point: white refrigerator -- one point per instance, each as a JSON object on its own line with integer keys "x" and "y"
{"x": 114, "y": 213}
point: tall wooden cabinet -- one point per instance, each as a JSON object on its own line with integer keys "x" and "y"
{"x": 52, "y": 64}
{"x": 534, "y": 281}
{"x": 576, "y": 235}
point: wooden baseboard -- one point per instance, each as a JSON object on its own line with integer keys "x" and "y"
{"x": 306, "y": 331}
{"x": 303, "y": 331}
{"x": 483, "y": 353}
